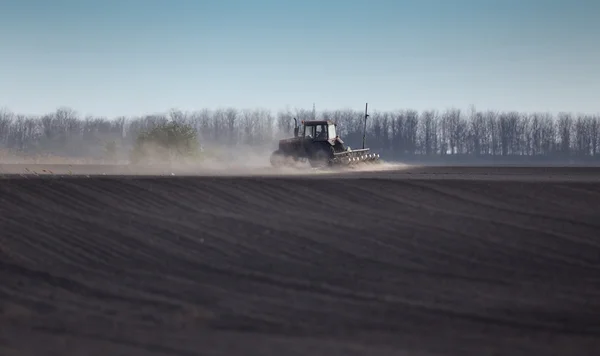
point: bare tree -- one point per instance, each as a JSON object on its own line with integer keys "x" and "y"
{"x": 406, "y": 133}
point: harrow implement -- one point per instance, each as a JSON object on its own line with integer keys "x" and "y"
{"x": 353, "y": 157}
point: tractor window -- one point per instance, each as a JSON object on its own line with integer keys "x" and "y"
{"x": 321, "y": 131}
{"x": 309, "y": 131}
{"x": 332, "y": 134}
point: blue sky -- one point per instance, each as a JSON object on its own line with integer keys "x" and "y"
{"x": 131, "y": 57}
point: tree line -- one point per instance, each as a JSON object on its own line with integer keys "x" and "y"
{"x": 451, "y": 134}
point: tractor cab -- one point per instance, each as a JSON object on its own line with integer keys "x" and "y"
{"x": 317, "y": 130}
{"x": 321, "y": 131}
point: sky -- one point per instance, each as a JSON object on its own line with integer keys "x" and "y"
{"x": 135, "y": 57}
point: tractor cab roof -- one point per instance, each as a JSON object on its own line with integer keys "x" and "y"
{"x": 317, "y": 122}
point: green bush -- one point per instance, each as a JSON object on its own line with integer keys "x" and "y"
{"x": 166, "y": 142}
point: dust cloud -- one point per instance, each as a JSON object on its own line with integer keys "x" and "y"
{"x": 218, "y": 160}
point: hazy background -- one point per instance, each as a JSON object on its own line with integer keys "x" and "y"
{"x": 77, "y": 75}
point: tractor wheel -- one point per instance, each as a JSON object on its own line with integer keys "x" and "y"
{"x": 278, "y": 159}
{"x": 321, "y": 159}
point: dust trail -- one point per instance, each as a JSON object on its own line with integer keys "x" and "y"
{"x": 216, "y": 160}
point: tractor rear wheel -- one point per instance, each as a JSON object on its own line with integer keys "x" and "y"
{"x": 278, "y": 159}
{"x": 321, "y": 158}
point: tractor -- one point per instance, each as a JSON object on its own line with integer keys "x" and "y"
{"x": 320, "y": 145}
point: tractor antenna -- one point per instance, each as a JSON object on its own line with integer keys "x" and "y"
{"x": 365, "y": 126}
{"x": 314, "y": 112}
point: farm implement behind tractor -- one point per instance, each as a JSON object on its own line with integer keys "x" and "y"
{"x": 321, "y": 146}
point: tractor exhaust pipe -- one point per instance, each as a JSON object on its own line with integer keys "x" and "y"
{"x": 296, "y": 128}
